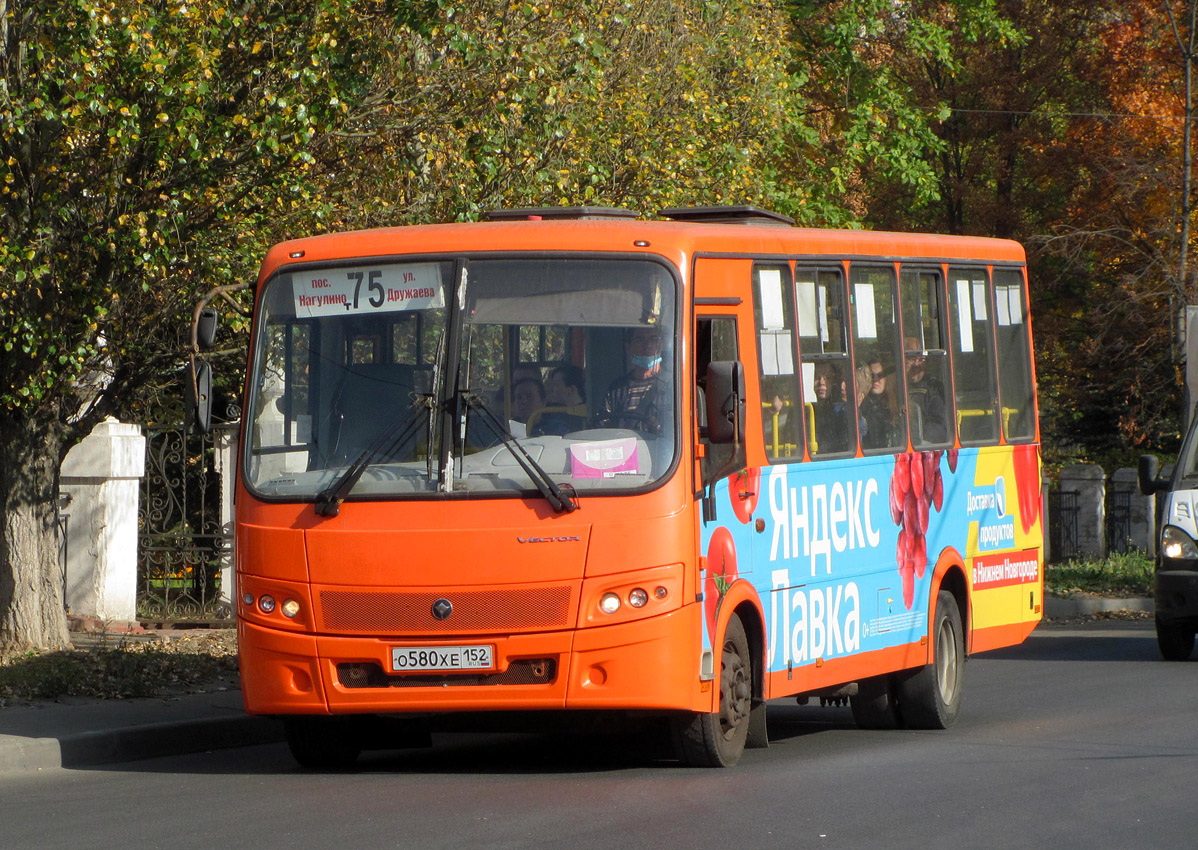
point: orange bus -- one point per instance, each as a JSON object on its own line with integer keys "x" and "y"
{"x": 570, "y": 459}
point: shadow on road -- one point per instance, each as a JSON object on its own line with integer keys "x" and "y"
{"x": 1087, "y": 643}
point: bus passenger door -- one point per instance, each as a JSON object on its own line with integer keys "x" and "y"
{"x": 730, "y": 491}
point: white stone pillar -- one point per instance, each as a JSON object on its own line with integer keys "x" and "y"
{"x": 101, "y": 477}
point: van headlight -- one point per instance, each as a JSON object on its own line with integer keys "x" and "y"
{"x": 1176, "y": 545}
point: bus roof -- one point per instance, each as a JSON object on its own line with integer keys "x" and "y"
{"x": 599, "y": 230}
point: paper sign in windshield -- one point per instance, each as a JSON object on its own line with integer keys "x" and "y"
{"x": 605, "y": 459}
{"x": 367, "y": 289}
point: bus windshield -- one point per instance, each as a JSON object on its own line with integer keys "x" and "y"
{"x": 455, "y": 375}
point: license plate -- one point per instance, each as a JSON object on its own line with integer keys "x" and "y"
{"x": 408, "y": 659}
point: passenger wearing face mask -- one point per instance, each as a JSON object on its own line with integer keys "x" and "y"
{"x": 631, "y": 400}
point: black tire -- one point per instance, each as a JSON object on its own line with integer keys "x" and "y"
{"x": 875, "y": 705}
{"x": 718, "y": 740}
{"x": 322, "y": 743}
{"x": 930, "y": 697}
{"x": 1176, "y": 643}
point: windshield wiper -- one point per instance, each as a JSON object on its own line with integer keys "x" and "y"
{"x": 400, "y": 429}
{"x": 557, "y": 498}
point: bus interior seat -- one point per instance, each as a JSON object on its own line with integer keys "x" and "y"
{"x": 372, "y": 396}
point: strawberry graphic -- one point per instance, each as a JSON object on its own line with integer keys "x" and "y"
{"x": 721, "y": 573}
{"x": 743, "y": 487}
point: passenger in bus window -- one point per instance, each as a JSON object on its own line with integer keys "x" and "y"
{"x": 831, "y": 412}
{"x": 631, "y": 400}
{"x": 925, "y": 394}
{"x": 528, "y": 397}
{"x": 566, "y": 409}
{"x": 863, "y": 378}
{"x": 879, "y": 409}
{"x": 526, "y": 372}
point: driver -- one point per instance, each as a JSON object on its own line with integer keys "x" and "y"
{"x": 631, "y": 400}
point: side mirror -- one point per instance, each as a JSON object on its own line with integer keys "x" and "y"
{"x": 206, "y": 325}
{"x": 725, "y": 401}
{"x": 1149, "y": 473}
{"x": 197, "y": 393}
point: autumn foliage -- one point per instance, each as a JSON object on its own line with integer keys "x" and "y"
{"x": 151, "y": 150}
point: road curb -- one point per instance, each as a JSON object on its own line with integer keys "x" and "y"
{"x": 1056, "y": 607}
{"x": 89, "y": 749}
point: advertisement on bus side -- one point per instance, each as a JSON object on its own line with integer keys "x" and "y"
{"x": 842, "y": 553}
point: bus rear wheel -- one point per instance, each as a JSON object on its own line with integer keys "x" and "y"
{"x": 930, "y": 697}
{"x": 322, "y": 743}
{"x": 718, "y": 739}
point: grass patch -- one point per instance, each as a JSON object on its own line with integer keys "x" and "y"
{"x": 142, "y": 668}
{"x": 1120, "y": 574}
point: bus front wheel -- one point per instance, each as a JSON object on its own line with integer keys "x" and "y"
{"x": 718, "y": 739}
{"x": 322, "y": 743}
{"x": 930, "y": 697}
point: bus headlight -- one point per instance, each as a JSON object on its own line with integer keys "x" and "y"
{"x": 609, "y": 604}
{"x": 290, "y": 608}
{"x": 266, "y": 604}
{"x": 637, "y": 598}
{"x": 1177, "y": 545}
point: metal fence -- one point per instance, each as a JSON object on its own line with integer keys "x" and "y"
{"x": 181, "y": 539}
{"x": 1063, "y": 525}
{"x": 1118, "y": 521}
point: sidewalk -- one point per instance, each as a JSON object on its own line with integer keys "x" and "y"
{"x": 85, "y": 732}
{"x": 76, "y": 733}
{"x": 79, "y": 732}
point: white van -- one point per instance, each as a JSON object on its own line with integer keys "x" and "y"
{"x": 1176, "y": 586}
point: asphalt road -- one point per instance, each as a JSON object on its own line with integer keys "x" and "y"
{"x": 1081, "y": 737}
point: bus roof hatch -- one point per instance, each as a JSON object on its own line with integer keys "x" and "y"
{"x": 728, "y": 215}
{"x": 548, "y": 213}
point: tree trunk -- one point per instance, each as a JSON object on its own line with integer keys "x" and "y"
{"x": 32, "y": 613}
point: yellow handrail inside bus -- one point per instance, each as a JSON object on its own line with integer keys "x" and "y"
{"x": 777, "y": 446}
{"x": 1007, "y": 413}
{"x": 812, "y": 443}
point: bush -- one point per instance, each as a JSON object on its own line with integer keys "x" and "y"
{"x": 1119, "y": 574}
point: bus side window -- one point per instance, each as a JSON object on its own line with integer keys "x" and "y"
{"x": 715, "y": 340}
{"x": 879, "y": 355}
{"x": 827, "y": 384}
{"x": 973, "y": 356}
{"x": 781, "y": 415}
{"x": 925, "y": 359}
{"x": 1014, "y": 355}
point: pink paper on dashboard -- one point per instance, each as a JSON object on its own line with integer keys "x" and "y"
{"x": 605, "y": 459}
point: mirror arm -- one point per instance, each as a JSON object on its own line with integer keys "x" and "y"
{"x": 222, "y": 291}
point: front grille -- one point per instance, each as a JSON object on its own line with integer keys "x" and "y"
{"x": 525, "y": 671}
{"x": 474, "y": 611}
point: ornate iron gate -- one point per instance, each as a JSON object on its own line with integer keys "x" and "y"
{"x": 1118, "y": 521}
{"x": 183, "y": 538}
{"x": 1063, "y": 525}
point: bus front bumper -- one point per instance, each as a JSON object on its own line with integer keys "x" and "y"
{"x": 650, "y": 664}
